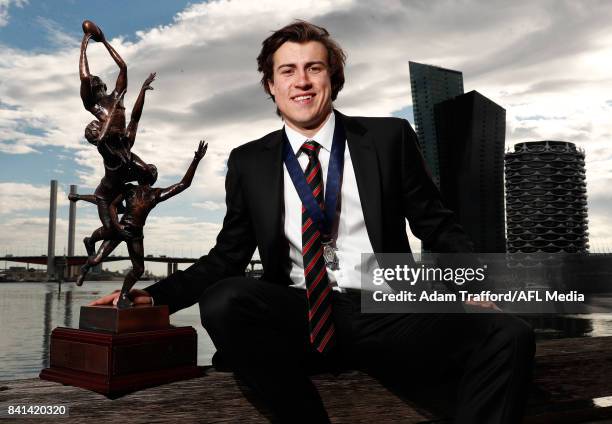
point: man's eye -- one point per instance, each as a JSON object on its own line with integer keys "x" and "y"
{"x": 286, "y": 71}
{"x": 315, "y": 69}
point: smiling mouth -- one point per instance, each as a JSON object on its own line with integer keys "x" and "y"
{"x": 303, "y": 99}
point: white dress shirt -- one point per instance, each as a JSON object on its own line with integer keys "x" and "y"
{"x": 352, "y": 239}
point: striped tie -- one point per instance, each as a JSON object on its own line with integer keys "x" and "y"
{"x": 318, "y": 289}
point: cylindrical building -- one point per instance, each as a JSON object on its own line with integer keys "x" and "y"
{"x": 71, "y": 222}
{"x": 546, "y": 202}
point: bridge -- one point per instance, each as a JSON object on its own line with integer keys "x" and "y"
{"x": 67, "y": 265}
{"x": 61, "y": 266}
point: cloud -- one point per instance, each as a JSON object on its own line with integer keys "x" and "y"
{"x": 546, "y": 63}
{"x": 209, "y": 205}
{"x": 525, "y": 133}
{"x": 4, "y": 9}
{"x": 55, "y": 35}
{"x": 208, "y": 85}
{"x": 559, "y": 85}
{"x": 176, "y": 236}
{"x": 539, "y": 118}
{"x": 27, "y": 197}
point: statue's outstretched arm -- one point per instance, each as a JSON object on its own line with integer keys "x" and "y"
{"x": 121, "y": 84}
{"x": 83, "y": 64}
{"x": 85, "y": 75}
{"x": 173, "y": 190}
{"x": 137, "y": 110}
{"x": 90, "y": 198}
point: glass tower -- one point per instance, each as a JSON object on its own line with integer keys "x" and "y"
{"x": 431, "y": 85}
{"x": 471, "y": 131}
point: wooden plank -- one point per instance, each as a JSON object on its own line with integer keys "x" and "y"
{"x": 573, "y": 369}
{"x": 216, "y": 397}
{"x": 569, "y": 374}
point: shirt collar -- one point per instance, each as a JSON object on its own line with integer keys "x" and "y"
{"x": 324, "y": 136}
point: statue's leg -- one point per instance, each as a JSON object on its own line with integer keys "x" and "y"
{"x": 136, "y": 251}
{"x": 104, "y": 213}
{"x": 90, "y": 242}
{"x": 105, "y": 249}
{"x": 85, "y": 197}
{"x": 98, "y": 234}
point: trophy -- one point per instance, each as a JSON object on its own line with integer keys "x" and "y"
{"x": 122, "y": 348}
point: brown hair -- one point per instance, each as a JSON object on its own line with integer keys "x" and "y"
{"x": 301, "y": 32}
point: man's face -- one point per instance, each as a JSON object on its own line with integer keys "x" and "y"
{"x": 302, "y": 86}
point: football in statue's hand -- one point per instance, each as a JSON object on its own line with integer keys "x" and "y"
{"x": 90, "y": 28}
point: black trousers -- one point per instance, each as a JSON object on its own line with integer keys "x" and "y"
{"x": 261, "y": 330}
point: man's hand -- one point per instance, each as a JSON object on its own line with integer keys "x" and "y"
{"x": 485, "y": 305}
{"x": 147, "y": 84}
{"x": 202, "y": 147}
{"x": 139, "y": 297}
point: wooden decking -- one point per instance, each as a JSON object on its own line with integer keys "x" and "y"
{"x": 573, "y": 384}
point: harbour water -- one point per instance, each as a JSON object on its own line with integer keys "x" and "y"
{"x": 30, "y": 311}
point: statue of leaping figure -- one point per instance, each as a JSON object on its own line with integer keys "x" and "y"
{"x": 108, "y": 132}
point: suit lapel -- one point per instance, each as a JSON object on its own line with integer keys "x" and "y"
{"x": 367, "y": 174}
{"x": 271, "y": 196}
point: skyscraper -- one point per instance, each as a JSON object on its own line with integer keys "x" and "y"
{"x": 546, "y": 198}
{"x": 471, "y": 131}
{"x": 431, "y": 85}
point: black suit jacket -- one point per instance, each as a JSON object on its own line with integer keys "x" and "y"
{"x": 393, "y": 182}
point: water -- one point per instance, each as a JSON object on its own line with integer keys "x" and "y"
{"x": 30, "y": 311}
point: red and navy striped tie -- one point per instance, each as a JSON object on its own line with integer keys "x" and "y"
{"x": 317, "y": 285}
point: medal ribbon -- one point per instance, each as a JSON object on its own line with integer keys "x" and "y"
{"x": 324, "y": 219}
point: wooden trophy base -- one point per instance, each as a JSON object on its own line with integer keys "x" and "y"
{"x": 141, "y": 350}
{"x": 128, "y": 320}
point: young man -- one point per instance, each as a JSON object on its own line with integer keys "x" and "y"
{"x": 304, "y": 313}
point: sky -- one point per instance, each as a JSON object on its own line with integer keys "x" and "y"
{"x": 547, "y": 63}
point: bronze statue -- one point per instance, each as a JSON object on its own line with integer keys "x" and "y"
{"x": 108, "y": 132}
{"x": 139, "y": 201}
{"x": 114, "y": 142}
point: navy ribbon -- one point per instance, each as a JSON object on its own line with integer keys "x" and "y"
{"x": 323, "y": 219}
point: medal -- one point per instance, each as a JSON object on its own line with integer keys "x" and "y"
{"x": 330, "y": 257}
{"x": 324, "y": 217}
